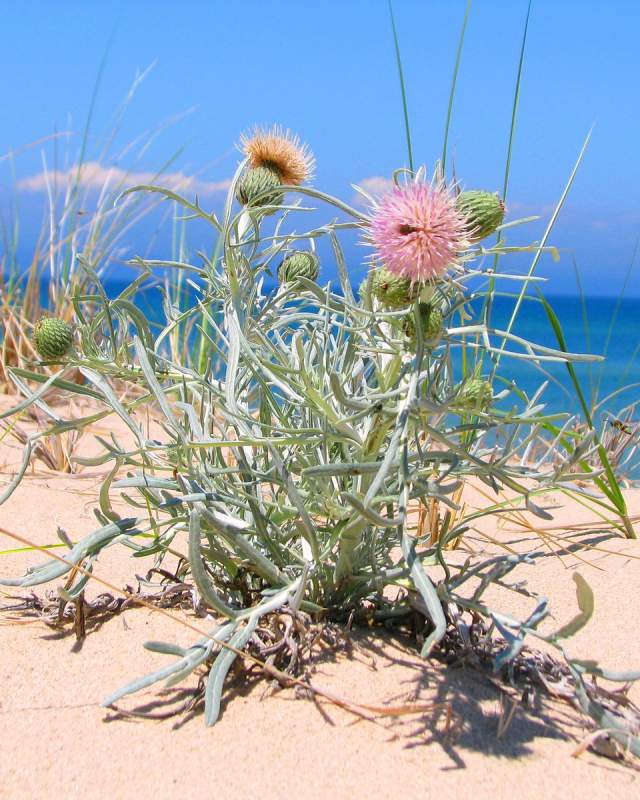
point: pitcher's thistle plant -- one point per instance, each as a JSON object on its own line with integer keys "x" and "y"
{"x": 292, "y": 467}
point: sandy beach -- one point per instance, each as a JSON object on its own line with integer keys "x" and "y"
{"x": 58, "y": 742}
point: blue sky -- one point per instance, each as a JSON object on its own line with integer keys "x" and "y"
{"x": 327, "y": 70}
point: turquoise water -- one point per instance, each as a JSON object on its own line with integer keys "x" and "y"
{"x": 619, "y": 343}
{"x": 620, "y": 368}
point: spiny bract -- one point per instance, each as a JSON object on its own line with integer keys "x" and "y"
{"x": 52, "y": 337}
{"x": 431, "y": 319}
{"x": 255, "y": 182}
{"x": 299, "y": 264}
{"x": 483, "y": 212}
{"x": 475, "y": 394}
{"x": 393, "y": 290}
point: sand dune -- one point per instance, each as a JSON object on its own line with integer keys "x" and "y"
{"x": 57, "y": 741}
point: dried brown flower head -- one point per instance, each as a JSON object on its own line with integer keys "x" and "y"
{"x": 279, "y": 149}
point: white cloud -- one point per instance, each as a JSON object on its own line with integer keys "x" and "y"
{"x": 517, "y": 208}
{"x": 94, "y": 175}
{"x": 375, "y": 185}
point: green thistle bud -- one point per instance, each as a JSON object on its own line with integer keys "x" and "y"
{"x": 483, "y": 212}
{"x": 475, "y": 394}
{"x": 392, "y": 290}
{"x": 52, "y": 337}
{"x": 299, "y": 264}
{"x": 254, "y": 182}
{"x": 431, "y": 319}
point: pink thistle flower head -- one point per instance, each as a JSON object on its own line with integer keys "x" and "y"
{"x": 416, "y": 230}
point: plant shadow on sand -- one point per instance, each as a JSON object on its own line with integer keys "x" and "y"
{"x": 472, "y": 712}
{"x": 467, "y": 708}
{"x": 470, "y": 709}
{"x": 461, "y": 705}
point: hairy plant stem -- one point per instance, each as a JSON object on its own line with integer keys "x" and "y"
{"x": 380, "y": 425}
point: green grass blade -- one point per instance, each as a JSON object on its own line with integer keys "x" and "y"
{"x": 454, "y": 80}
{"x": 610, "y": 487}
{"x": 405, "y": 109}
{"x": 516, "y": 102}
{"x": 585, "y": 324}
{"x": 488, "y": 303}
{"x": 544, "y": 239}
{"x": 616, "y": 311}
